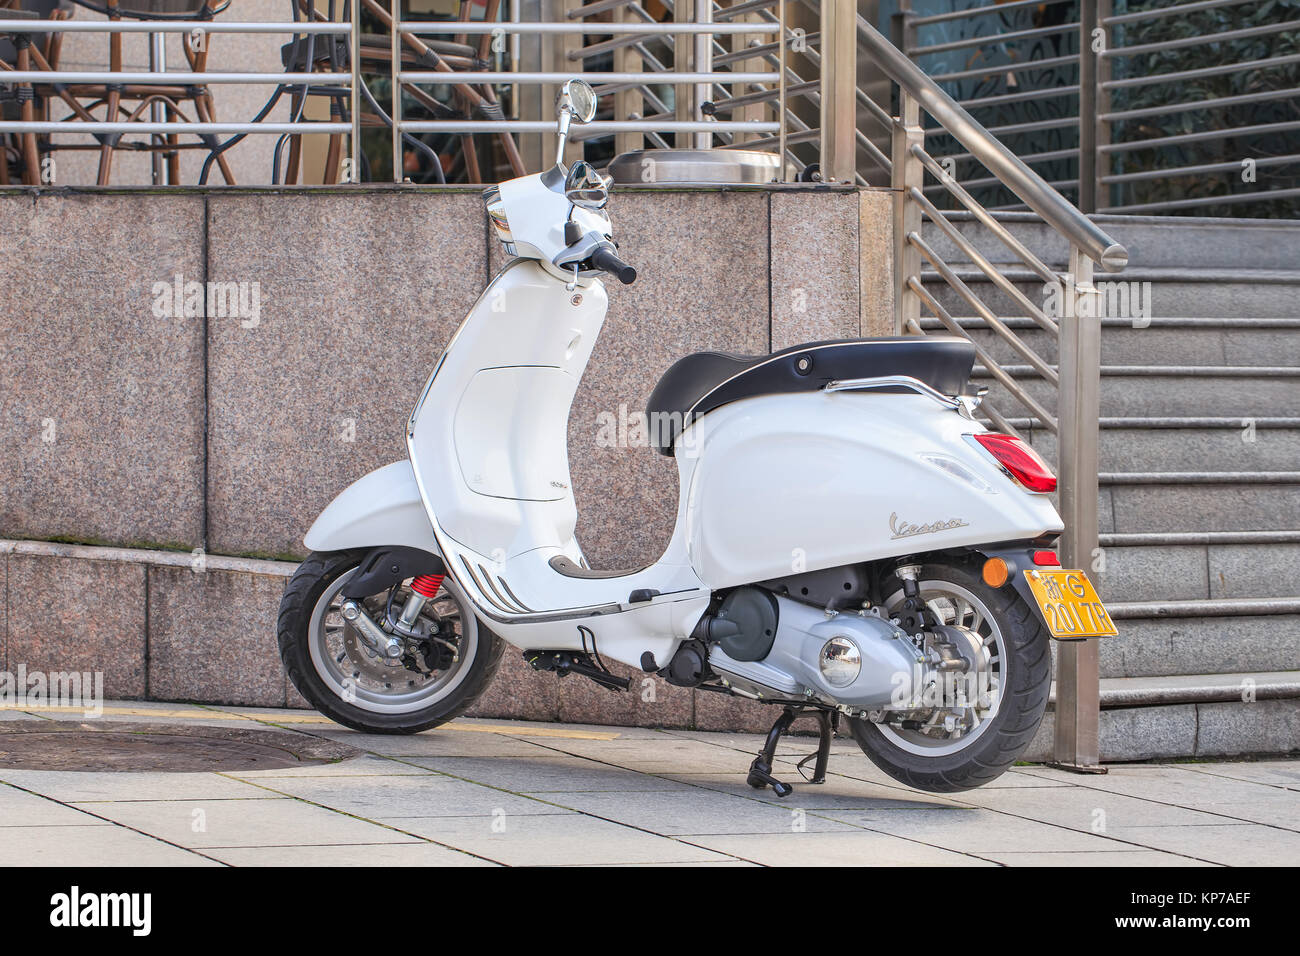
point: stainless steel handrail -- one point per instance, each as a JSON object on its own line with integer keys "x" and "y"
{"x": 1073, "y": 383}
{"x": 1055, "y": 209}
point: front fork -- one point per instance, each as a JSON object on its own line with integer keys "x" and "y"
{"x": 424, "y": 587}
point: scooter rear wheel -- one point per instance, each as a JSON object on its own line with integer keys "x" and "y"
{"x": 941, "y": 762}
{"x": 338, "y": 674}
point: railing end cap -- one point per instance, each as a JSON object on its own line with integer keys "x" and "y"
{"x": 1114, "y": 258}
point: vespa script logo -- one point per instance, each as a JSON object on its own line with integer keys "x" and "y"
{"x": 902, "y": 529}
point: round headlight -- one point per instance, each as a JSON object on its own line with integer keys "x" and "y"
{"x": 840, "y": 661}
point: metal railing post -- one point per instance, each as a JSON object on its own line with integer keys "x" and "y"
{"x": 354, "y": 47}
{"x": 628, "y": 103}
{"x": 702, "y": 62}
{"x": 687, "y": 109}
{"x": 782, "y": 147}
{"x": 902, "y": 30}
{"x": 158, "y": 112}
{"x": 559, "y": 62}
{"x": 1101, "y": 128}
{"x": 907, "y": 172}
{"x": 839, "y": 90}
{"x": 1089, "y": 59}
{"x": 1078, "y": 705}
{"x": 395, "y": 67}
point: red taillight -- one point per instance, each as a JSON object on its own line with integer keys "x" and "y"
{"x": 1047, "y": 558}
{"x": 1025, "y": 464}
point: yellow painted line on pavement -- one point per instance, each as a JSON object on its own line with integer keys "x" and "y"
{"x": 536, "y": 731}
{"x": 199, "y": 714}
{"x": 118, "y": 711}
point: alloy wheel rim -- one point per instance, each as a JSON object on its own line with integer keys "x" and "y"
{"x": 953, "y": 604}
{"x": 358, "y": 676}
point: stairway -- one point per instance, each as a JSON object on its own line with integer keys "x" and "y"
{"x": 1199, "y": 478}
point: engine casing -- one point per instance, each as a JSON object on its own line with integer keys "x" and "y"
{"x": 894, "y": 672}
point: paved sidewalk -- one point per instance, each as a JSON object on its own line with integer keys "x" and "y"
{"x": 479, "y": 793}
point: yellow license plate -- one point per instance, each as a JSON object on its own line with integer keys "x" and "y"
{"x": 1070, "y": 605}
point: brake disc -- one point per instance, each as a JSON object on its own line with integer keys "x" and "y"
{"x": 367, "y": 662}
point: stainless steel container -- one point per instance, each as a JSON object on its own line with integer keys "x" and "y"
{"x": 699, "y": 167}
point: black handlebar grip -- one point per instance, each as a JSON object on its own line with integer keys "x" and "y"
{"x": 606, "y": 260}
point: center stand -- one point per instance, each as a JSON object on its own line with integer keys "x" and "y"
{"x": 760, "y": 771}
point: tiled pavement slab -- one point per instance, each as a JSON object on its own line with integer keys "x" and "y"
{"x": 439, "y": 743}
{"x": 484, "y": 792}
{"x": 77, "y": 787}
{"x": 1242, "y": 844}
{"x": 857, "y": 848}
{"x": 211, "y": 823}
{"x": 19, "y": 808}
{"x": 695, "y": 811}
{"x": 539, "y": 839}
{"x": 90, "y": 846}
{"x": 433, "y": 795}
{"x": 1269, "y": 772}
{"x": 837, "y": 793}
{"x": 971, "y": 830}
{"x": 353, "y": 854}
{"x": 545, "y": 774}
{"x": 367, "y": 765}
{"x": 1135, "y": 857}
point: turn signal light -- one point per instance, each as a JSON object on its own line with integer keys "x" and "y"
{"x": 995, "y": 572}
{"x": 1022, "y": 462}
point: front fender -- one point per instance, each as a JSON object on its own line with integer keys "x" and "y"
{"x": 382, "y": 508}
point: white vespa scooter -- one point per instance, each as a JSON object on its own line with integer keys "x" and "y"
{"x": 850, "y": 543}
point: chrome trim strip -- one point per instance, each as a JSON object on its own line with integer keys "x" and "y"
{"x": 514, "y": 596}
{"x": 478, "y": 586}
{"x": 502, "y": 600}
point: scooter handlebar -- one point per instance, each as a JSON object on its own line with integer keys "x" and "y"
{"x": 606, "y": 260}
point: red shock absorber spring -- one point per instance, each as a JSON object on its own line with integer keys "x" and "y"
{"x": 426, "y": 585}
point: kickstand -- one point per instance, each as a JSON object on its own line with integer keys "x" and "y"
{"x": 823, "y": 754}
{"x": 760, "y": 771}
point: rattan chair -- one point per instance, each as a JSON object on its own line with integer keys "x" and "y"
{"x": 131, "y": 102}
{"x": 418, "y": 53}
{"x": 26, "y": 51}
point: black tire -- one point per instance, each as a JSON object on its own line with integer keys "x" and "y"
{"x": 1025, "y": 682}
{"x": 301, "y": 595}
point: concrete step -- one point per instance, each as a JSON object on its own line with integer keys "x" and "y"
{"x": 1210, "y": 501}
{"x": 1160, "y": 293}
{"x": 1151, "y": 241}
{"x": 1195, "y": 566}
{"x": 1168, "y": 638}
{"x": 1134, "y": 391}
{"x": 1192, "y": 341}
{"x": 1188, "y": 444}
{"x": 1196, "y": 688}
{"x": 1192, "y": 715}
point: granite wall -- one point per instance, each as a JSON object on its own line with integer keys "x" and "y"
{"x": 133, "y": 417}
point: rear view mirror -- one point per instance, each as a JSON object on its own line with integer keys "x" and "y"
{"x": 576, "y": 102}
{"x": 585, "y": 187}
{"x": 578, "y": 99}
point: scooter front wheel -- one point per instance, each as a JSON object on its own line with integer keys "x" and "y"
{"x": 339, "y": 674}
